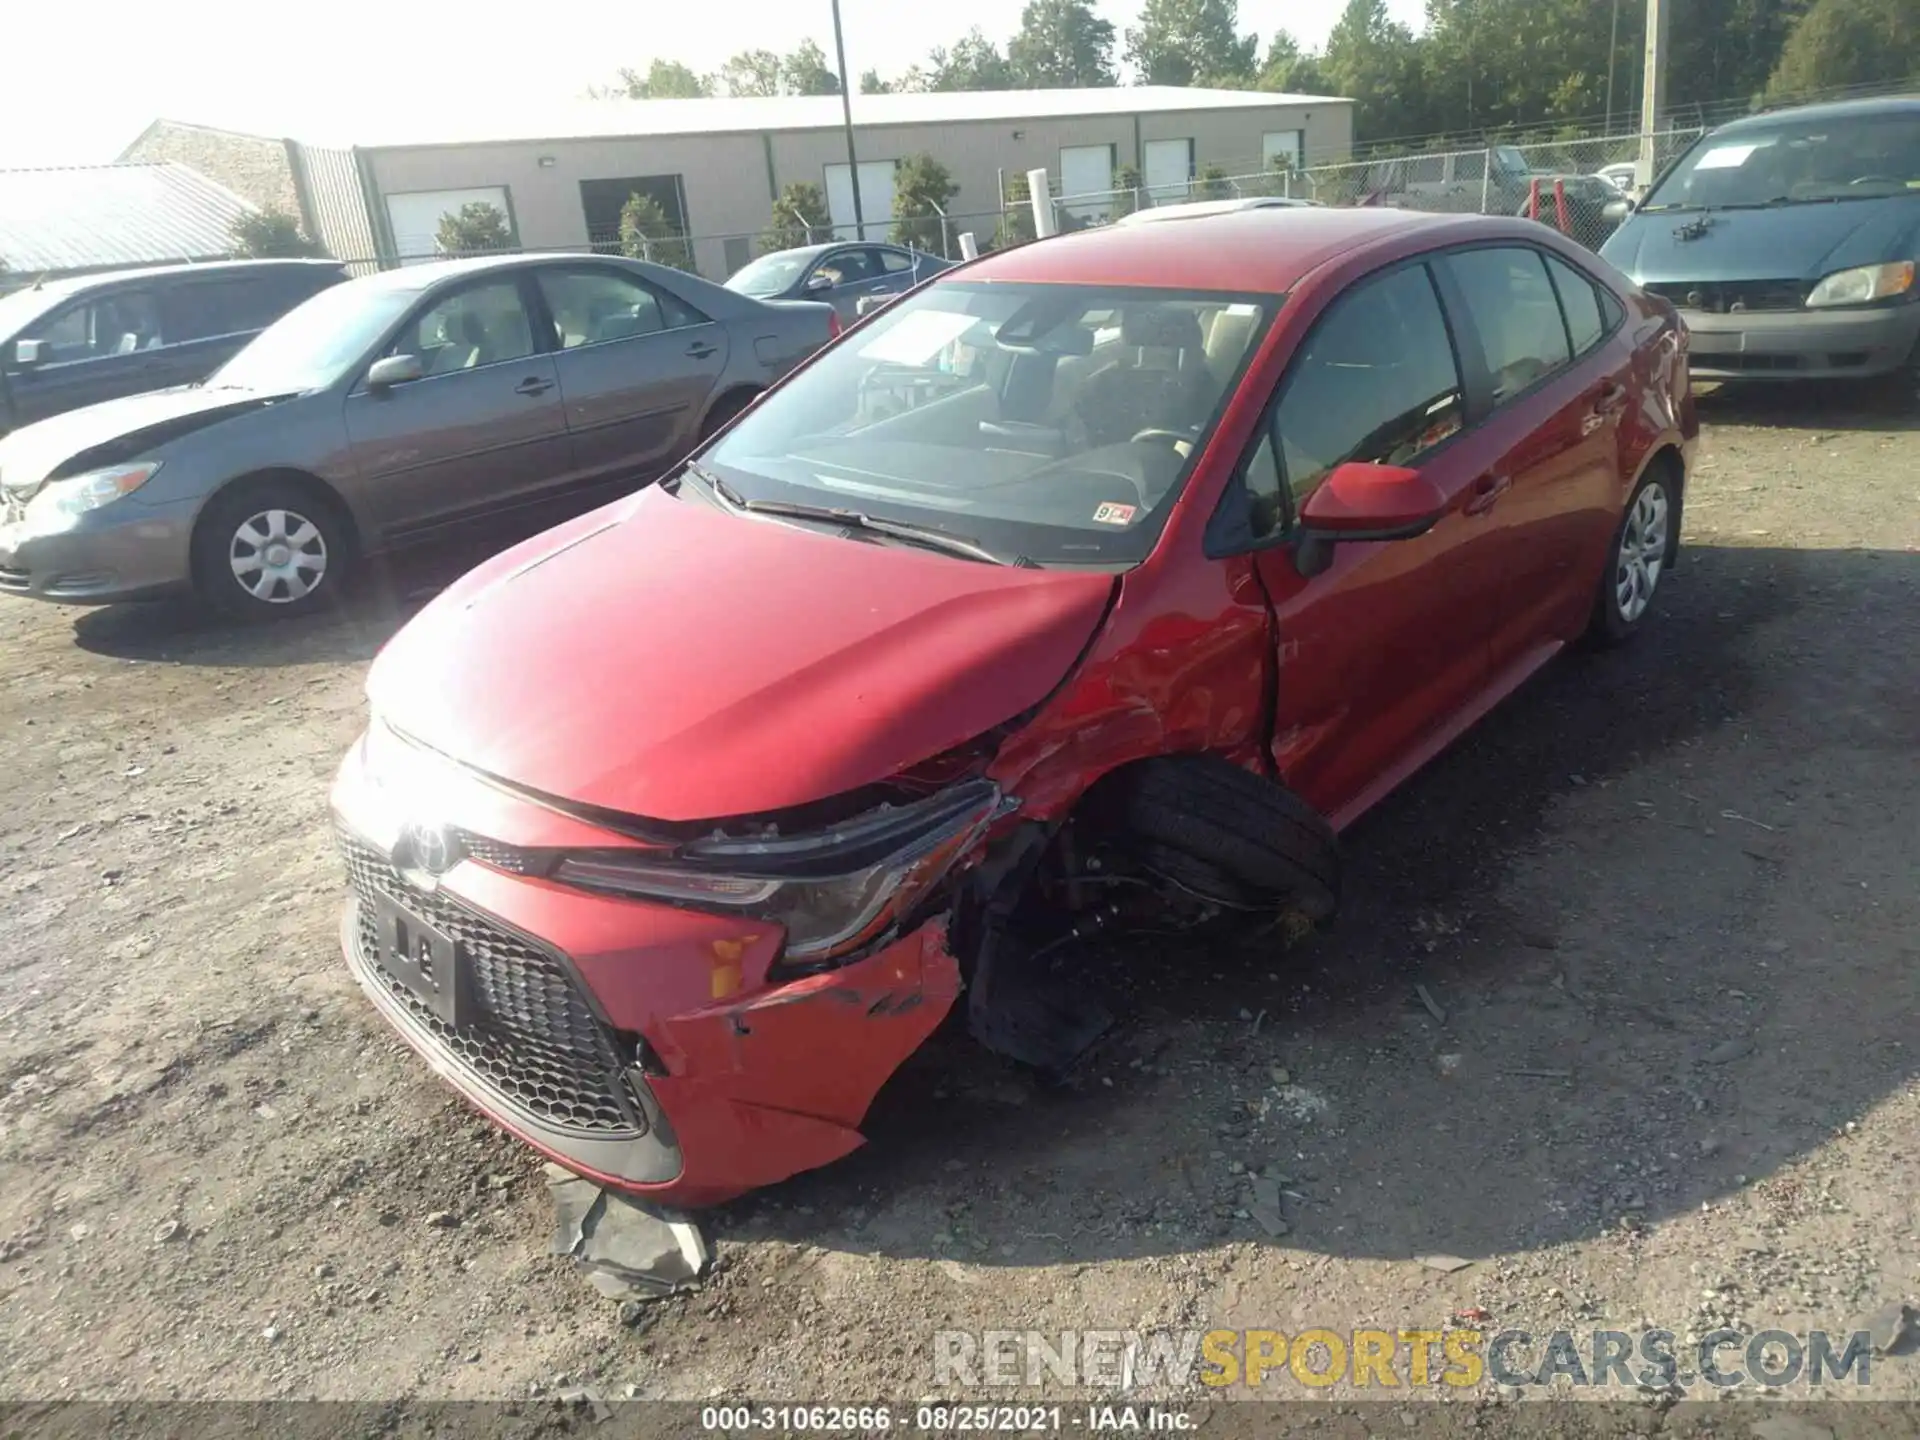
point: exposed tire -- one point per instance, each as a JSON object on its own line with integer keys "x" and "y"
{"x": 1642, "y": 551}
{"x": 1198, "y": 821}
{"x": 724, "y": 412}
{"x": 271, "y": 548}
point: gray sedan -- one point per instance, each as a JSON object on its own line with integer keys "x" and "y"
{"x": 387, "y": 410}
{"x": 841, "y": 274}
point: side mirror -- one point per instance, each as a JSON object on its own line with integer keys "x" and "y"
{"x": 29, "y": 353}
{"x": 817, "y": 282}
{"x": 1359, "y": 501}
{"x": 393, "y": 370}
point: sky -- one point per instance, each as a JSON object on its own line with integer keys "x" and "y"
{"x": 250, "y": 66}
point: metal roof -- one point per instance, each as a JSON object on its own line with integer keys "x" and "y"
{"x": 394, "y": 126}
{"x": 98, "y": 217}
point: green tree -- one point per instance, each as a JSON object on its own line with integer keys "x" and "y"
{"x": 872, "y": 84}
{"x": 1126, "y": 191}
{"x": 805, "y": 72}
{"x": 974, "y": 63}
{"x": 476, "y": 228}
{"x": 1848, "y": 42}
{"x": 272, "y": 235}
{"x": 922, "y": 188}
{"x": 1289, "y": 69}
{"x": 1191, "y": 42}
{"x": 1375, "y": 59}
{"x": 662, "y": 80}
{"x": 751, "y": 72}
{"x": 1016, "y": 214}
{"x": 799, "y": 218}
{"x": 1726, "y": 49}
{"x": 1062, "y": 44}
{"x": 647, "y": 233}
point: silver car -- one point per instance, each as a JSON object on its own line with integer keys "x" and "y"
{"x": 387, "y": 410}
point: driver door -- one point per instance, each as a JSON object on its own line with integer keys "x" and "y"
{"x": 853, "y": 274}
{"x": 1380, "y": 655}
{"x": 481, "y": 431}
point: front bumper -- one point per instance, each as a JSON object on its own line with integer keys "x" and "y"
{"x": 638, "y": 1044}
{"x": 122, "y": 551}
{"x": 1801, "y": 345}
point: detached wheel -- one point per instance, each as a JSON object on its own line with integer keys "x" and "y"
{"x": 1226, "y": 834}
{"x": 1643, "y": 551}
{"x": 270, "y": 548}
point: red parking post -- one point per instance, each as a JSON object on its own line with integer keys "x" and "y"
{"x": 1560, "y": 206}
{"x": 1533, "y": 200}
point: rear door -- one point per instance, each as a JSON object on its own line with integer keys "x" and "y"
{"x": 636, "y": 365}
{"x": 1551, "y": 393}
{"x": 97, "y": 347}
{"x": 1384, "y": 651}
{"x": 481, "y": 433}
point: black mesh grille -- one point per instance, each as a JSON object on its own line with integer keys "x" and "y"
{"x": 502, "y": 856}
{"x": 1722, "y": 297}
{"x": 533, "y": 1039}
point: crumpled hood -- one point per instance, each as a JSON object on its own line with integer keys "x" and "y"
{"x": 1787, "y": 242}
{"x": 667, "y": 660}
{"x": 116, "y": 429}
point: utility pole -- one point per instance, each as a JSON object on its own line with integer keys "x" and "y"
{"x": 846, "y": 115}
{"x": 1613, "y": 53}
{"x": 1653, "y": 91}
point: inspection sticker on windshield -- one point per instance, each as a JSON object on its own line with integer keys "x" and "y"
{"x": 1112, "y": 514}
{"x": 1728, "y": 157}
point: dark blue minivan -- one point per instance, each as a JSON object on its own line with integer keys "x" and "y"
{"x": 1789, "y": 241}
{"x": 77, "y": 341}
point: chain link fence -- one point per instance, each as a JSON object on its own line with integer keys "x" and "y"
{"x": 1580, "y": 186}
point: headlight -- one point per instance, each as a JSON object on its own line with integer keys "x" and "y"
{"x": 1867, "y": 282}
{"x": 76, "y": 494}
{"x": 832, "y": 891}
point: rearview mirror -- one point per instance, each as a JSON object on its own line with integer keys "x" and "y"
{"x": 393, "y": 370}
{"x": 29, "y": 353}
{"x": 1359, "y": 501}
{"x": 817, "y": 282}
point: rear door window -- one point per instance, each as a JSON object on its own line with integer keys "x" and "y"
{"x": 592, "y": 307}
{"x": 1513, "y": 308}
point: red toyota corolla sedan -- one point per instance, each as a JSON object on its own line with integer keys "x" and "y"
{"x": 1110, "y": 576}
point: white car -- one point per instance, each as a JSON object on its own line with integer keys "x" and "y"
{"x": 1194, "y": 208}
{"x": 1620, "y": 176}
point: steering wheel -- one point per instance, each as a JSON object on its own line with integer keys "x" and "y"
{"x": 1172, "y": 437}
{"x": 1876, "y": 180}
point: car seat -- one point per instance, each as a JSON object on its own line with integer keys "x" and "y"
{"x": 1161, "y": 385}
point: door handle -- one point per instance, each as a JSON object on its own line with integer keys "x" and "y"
{"x": 1487, "y": 491}
{"x": 533, "y": 385}
{"x": 1611, "y": 397}
{"x": 700, "y": 349}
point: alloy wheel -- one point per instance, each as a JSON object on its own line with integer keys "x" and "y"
{"x": 1643, "y": 552}
{"x": 278, "y": 556}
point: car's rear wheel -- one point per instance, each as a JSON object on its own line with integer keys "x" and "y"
{"x": 724, "y": 411}
{"x": 1226, "y": 835}
{"x": 1643, "y": 550}
{"x": 270, "y": 548}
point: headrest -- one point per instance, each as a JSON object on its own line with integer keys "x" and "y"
{"x": 1162, "y": 326}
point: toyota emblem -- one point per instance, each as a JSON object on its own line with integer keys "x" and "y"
{"x": 430, "y": 849}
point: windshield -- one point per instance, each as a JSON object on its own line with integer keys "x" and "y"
{"x": 1856, "y": 157}
{"x": 317, "y": 342}
{"x": 1055, "y": 422}
{"x": 769, "y": 275}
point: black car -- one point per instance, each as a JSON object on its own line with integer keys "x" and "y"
{"x": 842, "y": 275}
{"x": 68, "y": 343}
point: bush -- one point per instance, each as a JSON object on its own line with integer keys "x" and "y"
{"x": 1126, "y": 187}
{"x": 1016, "y": 218}
{"x": 476, "y": 228}
{"x": 272, "y": 235}
{"x": 1212, "y": 184}
{"x": 799, "y": 218}
{"x": 647, "y": 234}
{"x": 922, "y": 188}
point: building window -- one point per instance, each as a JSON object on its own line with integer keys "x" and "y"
{"x": 603, "y": 200}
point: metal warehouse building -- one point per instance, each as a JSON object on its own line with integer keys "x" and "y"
{"x": 716, "y": 165}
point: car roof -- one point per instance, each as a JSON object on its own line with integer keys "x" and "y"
{"x": 78, "y": 284}
{"x": 1187, "y": 209}
{"x": 1246, "y": 251}
{"x": 1834, "y": 110}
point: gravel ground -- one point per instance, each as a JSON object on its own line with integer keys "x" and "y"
{"x": 1664, "y": 899}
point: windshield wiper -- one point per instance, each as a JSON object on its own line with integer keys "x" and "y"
{"x": 926, "y": 535}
